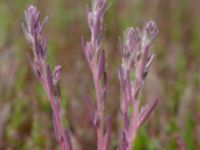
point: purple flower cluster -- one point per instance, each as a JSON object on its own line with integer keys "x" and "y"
{"x": 136, "y": 60}
{"x": 34, "y": 34}
{"x": 96, "y": 59}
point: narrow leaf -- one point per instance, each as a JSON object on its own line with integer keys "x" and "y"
{"x": 145, "y": 115}
{"x": 101, "y": 64}
{"x": 96, "y": 121}
{"x": 49, "y": 79}
{"x": 104, "y": 86}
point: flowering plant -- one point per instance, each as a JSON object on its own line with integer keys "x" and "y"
{"x": 136, "y": 59}
{"x": 34, "y": 34}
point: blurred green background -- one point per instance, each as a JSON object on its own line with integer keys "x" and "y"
{"x": 25, "y": 113}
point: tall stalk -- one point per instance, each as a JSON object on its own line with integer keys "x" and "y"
{"x": 96, "y": 59}
{"x": 34, "y": 34}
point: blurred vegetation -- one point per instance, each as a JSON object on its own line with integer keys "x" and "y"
{"x": 25, "y": 113}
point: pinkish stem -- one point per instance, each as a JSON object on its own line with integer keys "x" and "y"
{"x": 58, "y": 119}
{"x": 100, "y": 115}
